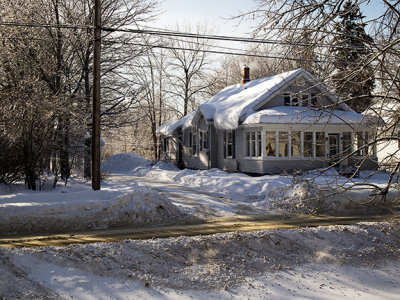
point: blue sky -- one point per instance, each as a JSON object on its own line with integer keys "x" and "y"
{"x": 212, "y": 12}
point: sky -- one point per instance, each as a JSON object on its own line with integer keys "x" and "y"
{"x": 212, "y": 12}
{"x": 215, "y": 13}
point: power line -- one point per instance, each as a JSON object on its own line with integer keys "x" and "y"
{"x": 170, "y": 33}
{"x": 219, "y": 52}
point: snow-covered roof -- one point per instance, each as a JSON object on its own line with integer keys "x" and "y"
{"x": 305, "y": 115}
{"x": 172, "y": 127}
{"x": 233, "y": 102}
{"x": 240, "y": 102}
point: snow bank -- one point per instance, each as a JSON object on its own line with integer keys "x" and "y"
{"x": 230, "y": 261}
{"x": 71, "y": 209}
{"x": 312, "y": 193}
{"x": 123, "y": 163}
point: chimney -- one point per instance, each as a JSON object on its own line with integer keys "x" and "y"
{"x": 245, "y": 75}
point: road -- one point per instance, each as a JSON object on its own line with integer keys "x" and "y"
{"x": 238, "y": 216}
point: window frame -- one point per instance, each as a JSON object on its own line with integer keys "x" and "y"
{"x": 299, "y": 99}
{"x": 253, "y": 144}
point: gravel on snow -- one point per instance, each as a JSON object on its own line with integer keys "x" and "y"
{"x": 219, "y": 261}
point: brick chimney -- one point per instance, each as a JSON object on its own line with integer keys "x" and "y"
{"x": 245, "y": 75}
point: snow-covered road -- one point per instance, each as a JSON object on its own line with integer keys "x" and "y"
{"x": 346, "y": 262}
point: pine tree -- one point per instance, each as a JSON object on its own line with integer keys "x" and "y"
{"x": 353, "y": 77}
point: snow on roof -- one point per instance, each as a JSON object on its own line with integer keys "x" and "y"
{"x": 238, "y": 102}
{"x": 235, "y": 101}
{"x": 305, "y": 115}
{"x": 170, "y": 128}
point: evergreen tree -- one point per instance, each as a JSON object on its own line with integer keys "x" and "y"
{"x": 353, "y": 77}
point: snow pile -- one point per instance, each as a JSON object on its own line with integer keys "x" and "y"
{"x": 224, "y": 263}
{"x": 123, "y": 163}
{"x": 72, "y": 209}
{"x": 316, "y": 192}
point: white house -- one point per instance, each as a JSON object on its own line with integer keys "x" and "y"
{"x": 282, "y": 123}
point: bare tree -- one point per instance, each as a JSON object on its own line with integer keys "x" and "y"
{"x": 287, "y": 22}
{"x": 191, "y": 66}
{"x": 58, "y": 59}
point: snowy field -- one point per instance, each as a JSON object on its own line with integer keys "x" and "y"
{"x": 309, "y": 263}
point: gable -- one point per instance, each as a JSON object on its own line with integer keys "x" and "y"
{"x": 302, "y": 89}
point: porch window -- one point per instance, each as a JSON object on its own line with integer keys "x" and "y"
{"x": 270, "y": 146}
{"x": 320, "y": 144}
{"x": 253, "y": 144}
{"x": 295, "y": 144}
{"x": 308, "y": 144}
{"x": 359, "y": 143}
{"x": 366, "y": 142}
{"x": 346, "y": 143}
{"x": 283, "y": 144}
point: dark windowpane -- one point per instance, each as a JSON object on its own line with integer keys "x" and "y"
{"x": 308, "y": 144}
{"x": 295, "y": 144}
{"x": 346, "y": 143}
{"x": 283, "y": 145}
{"x": 320, "y": 144}
{"x": 270, "y": 143}
{"x": 286, "y": 98}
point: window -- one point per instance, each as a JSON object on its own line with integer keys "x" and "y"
{"x": 297, "y": 99}
{"x": 359, "y": 143}
{"x": 286, "y": 99}
{"x": 194, "y": 145}
{"x": 229, "y": 144}
{"x": 203, "y": 140}
{"x": 314, "y": 100}
{"x": 305, "y": 100}
{"x": 253, "y": 144}
{"x": 308, "y": 144}
{"x": 270, "y": 146}
{"x": 346, "y": 143}
{"x": 165, "y": 141}
{"x": 295, "y": 144}
{"x": 283, "y": 144}
{"x": 320, "y": 144}
{"x": 366, "y": 141}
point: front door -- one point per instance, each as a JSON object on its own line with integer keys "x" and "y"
{"x": 333, "y": 153}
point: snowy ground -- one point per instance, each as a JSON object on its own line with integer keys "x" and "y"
{"x": 359, "y": 261}
{"x": 321, "y": 263}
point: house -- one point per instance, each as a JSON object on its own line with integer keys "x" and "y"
{"x": 282, "y": 123}
{"x": 388, "y": 135}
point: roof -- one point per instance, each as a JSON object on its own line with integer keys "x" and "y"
{"x": 306, "y": 115}
{"x": 172, "y": 128}
{"x": 229, "y": 105}
{"x": 240, "y": 102}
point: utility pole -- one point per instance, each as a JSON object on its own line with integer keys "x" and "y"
{"x": 96, "y": 98}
